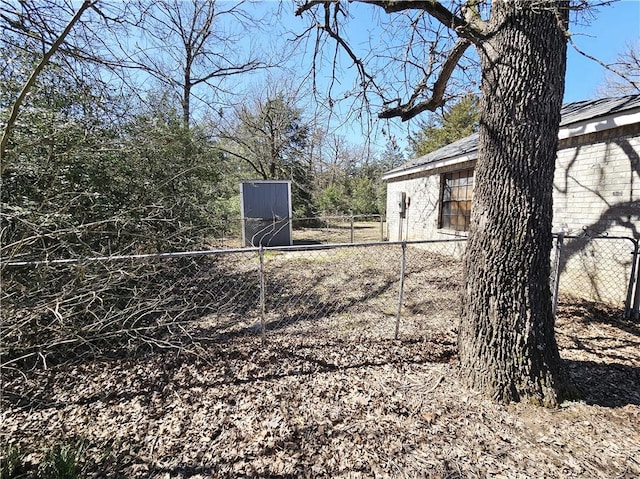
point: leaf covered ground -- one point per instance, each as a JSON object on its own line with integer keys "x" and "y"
{"x": 333, "y": 394}
{"x": 333, "y": 408}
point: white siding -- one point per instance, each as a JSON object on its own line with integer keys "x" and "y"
{"x": 421, "y": 220}
{"x": 596, "y": 188}
{"x": 597, "y": 192}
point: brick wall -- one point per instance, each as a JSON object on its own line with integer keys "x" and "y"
{"x": 422, "y": 216}
{"x": 597, "y": 193}
{"x": 597, "y": 188}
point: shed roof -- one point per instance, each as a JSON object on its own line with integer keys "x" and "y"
{"x": 572, "y": 113}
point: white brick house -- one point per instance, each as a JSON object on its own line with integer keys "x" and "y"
{"x": 596, "y": 183}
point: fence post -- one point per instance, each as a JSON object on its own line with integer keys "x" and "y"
{"x": 635, "y": 309}
{"x": 406, "y": 220}
{"x": 628, "y": 309}
{"x": 352, "y": 229}
{"x": 381, "y": 228}
{"x": 556, "y": 272}
{"x": 401, "y": 291}
{"x": 262, "y": 296}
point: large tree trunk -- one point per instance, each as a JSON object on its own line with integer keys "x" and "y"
{"x": 507, "y": 347}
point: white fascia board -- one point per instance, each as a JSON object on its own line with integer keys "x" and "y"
{"x": 445, "y": 162}
{"x": 602, "y": 123}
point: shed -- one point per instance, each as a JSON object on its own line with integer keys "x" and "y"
{"x": 596, "y": 182}
{"x": 266, "y": 213}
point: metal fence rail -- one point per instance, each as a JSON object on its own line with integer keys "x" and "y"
{"x": 601, "y": 269}
{"x": 404, "y": 290}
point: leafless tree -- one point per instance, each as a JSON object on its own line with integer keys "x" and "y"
{"x": 623, "y": 77}
{"x": 17, "y": 24}
{"x": 189, "y": 44}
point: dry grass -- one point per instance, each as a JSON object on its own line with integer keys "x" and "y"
{"x": 332, "y": 232}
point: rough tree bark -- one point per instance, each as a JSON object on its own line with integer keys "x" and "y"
{"x": 506, "y": 343}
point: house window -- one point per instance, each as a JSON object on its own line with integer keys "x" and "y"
{"x": 455, "y": 200}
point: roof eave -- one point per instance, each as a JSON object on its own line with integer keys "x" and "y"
{"x": 443, "y": 163}
{"x": 592, "y": 125}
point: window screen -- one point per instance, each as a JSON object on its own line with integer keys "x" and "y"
{"x": 457, "y": 193}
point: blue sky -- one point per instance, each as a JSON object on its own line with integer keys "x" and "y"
{"x": 605, "y": 36}
{"x": 601, "y": 32}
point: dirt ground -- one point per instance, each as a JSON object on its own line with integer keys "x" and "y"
{"x": 332, "y": 394}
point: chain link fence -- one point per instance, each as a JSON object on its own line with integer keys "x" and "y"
{"x": 601, "y": 270}
{"x": 117, "y": 305}
{"x": 340, "y": 229}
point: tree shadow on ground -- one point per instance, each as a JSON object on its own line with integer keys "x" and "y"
{"x": 193, "y": 307}
{"x": 600, "y": 343}
{"x": 306, "y": 242}
{"x": 315, "y": 308}
{"x": 599, "y": 313}
{"x": 301, "y": 292}
{"x": 121, "y": 310}
{"x": 606, "y": 384}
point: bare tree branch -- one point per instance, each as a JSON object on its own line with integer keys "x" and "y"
{"x": 411, "y": 108}
{"x": 625, "y": 73}
{"x": 191, "y": 34}
{"x": 34, "y": 75}
{"x": 429, "y": 92}
{"x": 473, "y": 28}
{"x": 335, "y": 35}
